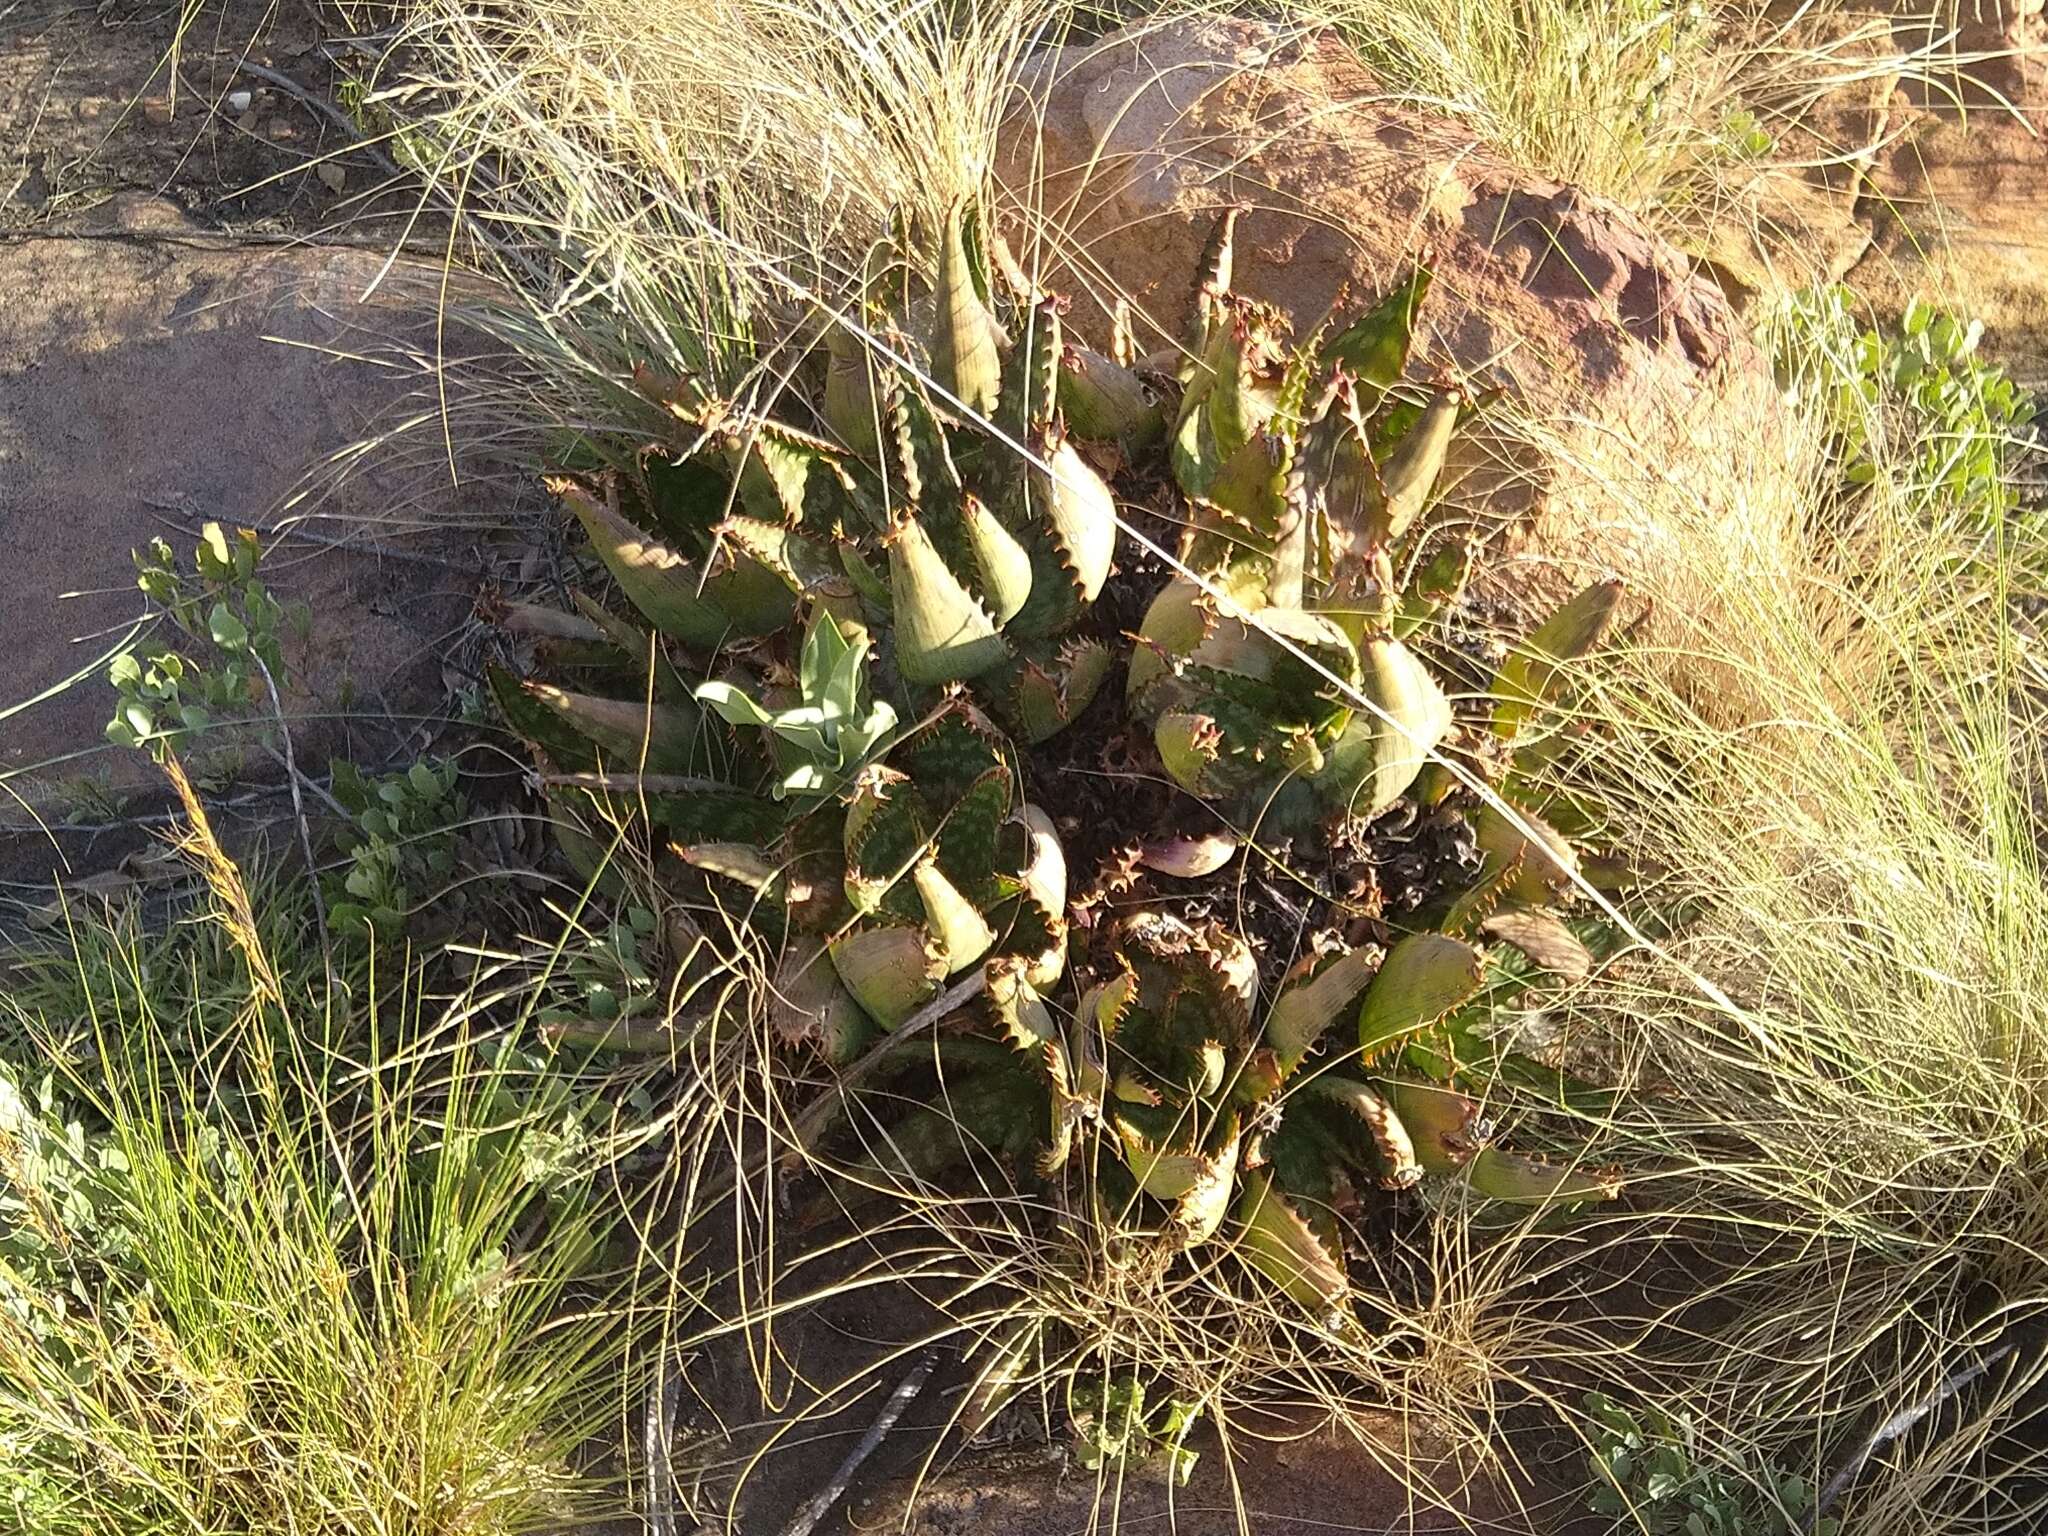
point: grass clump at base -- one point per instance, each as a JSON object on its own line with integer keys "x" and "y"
{"x": 1835, "y": 762}
{"x": 250, "y": 1284}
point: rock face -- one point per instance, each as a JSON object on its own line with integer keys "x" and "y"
{"x": 1634, "y": 378}
{"x": 153, "y": 377}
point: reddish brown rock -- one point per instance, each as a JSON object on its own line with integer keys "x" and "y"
{"x": 1627, "y": 364}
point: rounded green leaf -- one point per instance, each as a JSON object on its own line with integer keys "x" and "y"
{"x": 943, "y": 633}
{"x": 1423, "y": 978}
{"x": 888, "y": 969}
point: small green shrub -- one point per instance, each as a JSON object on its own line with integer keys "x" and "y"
{"x": 407, "y": 825}
{"x": 1647, "y": 1465}
{"x": 252, "y": 1292}
{"x": 1113, "y": 1424}
{"x": 606, "y": 977}
{"x": 1916, "y": 392}
{"x": 233, "y": 630}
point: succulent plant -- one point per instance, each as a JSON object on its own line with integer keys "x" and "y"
{"x": 1304, "y": 472}
{"x": 972, "y": 561}
{"x": 939, "y": 576}
{"x": 1213, "y": 1112}
{"x": 824, "y": 734}
{"x": 932, "y": 866}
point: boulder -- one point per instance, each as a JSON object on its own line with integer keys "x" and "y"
{"x": 1631, "y": 379}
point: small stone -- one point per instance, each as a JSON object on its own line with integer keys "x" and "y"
{"x": 240, "y": 101}
{"x": 34, "y": 189}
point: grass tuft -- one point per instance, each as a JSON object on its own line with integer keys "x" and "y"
{"x": 248, "y": 1283}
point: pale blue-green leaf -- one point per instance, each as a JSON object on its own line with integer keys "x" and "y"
{"x": 733, "y": 706}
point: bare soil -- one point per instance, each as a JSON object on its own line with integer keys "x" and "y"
{"x": 196, "y": 313}
{"x": 141, "y": 96}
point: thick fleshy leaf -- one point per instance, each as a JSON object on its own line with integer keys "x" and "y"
{"x": 1411, "y": 472}
{"x": 1442, "y": 1124}
{"x": 1194, "y": 451}
{"x": 809, "y": 1006}
{"x": 888, "y": 969}
{"x": 535, "y": 722}
{"x": 1251, "y": 485}
{"x": 749, "y": 865}
{"x": 1030, "y": 391}
{"x": 852, "y": 405}
{"x": 1275, "y": 1240}
{"x": 1382, "y": 751}
{"x": 867, "y": 581}
{"x": 1110, "y": 1002}
{"x": 1530, "y": 677}
{"x": 1435, "y": 585}
{"x": 776, "y": 467}
{"x": 888, "y": 827}
{"x": 1044, "y": 694}
{"x": 1019, "y": 1009}
{"x": 664, "y": 586}
{"x": 1038, "y": 927}
{"x": 1002, "y": 566}
{"x": 1535, "y": 869}
{"x": 1543, "y": 938}
{"x": 1191, "y": 747}
{"x": 971, "y": 836}
{"x": 791, "y": 558}
{"x": 1188, "y": 858}
{"x": 1200, "y": 1210}
{"x": 964, "y": 353}
{"x": 669, "y": 738}
{"x": 1399, "y": 1166}
{"x": 554, "y": 627}
{"x": 1502, "y": 1175}
{"x": 1105, "y": 402}
{"x": 1164, "y": 1172}
{"x": 1078, "y": 513}
{"x": 1309, "y": 1006}
{"x": 733, "y": 706}
{"x": 1045, "y": 864}
{"x": 959, "y": 934}
{"x": 953, "y": 751}
{"x": 622, "y": 632}
{"x": 1374, "y": 348}
{"x": 943, "y": 633}
{"x": 1424, "y": 977}
{"x": 1174, "y": 625}
{"x": 1212, "y": 279}
{"x": 1235, "y": 408}
{"x": 1069, "y": 1108}
{"x": 708, "y": 811}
